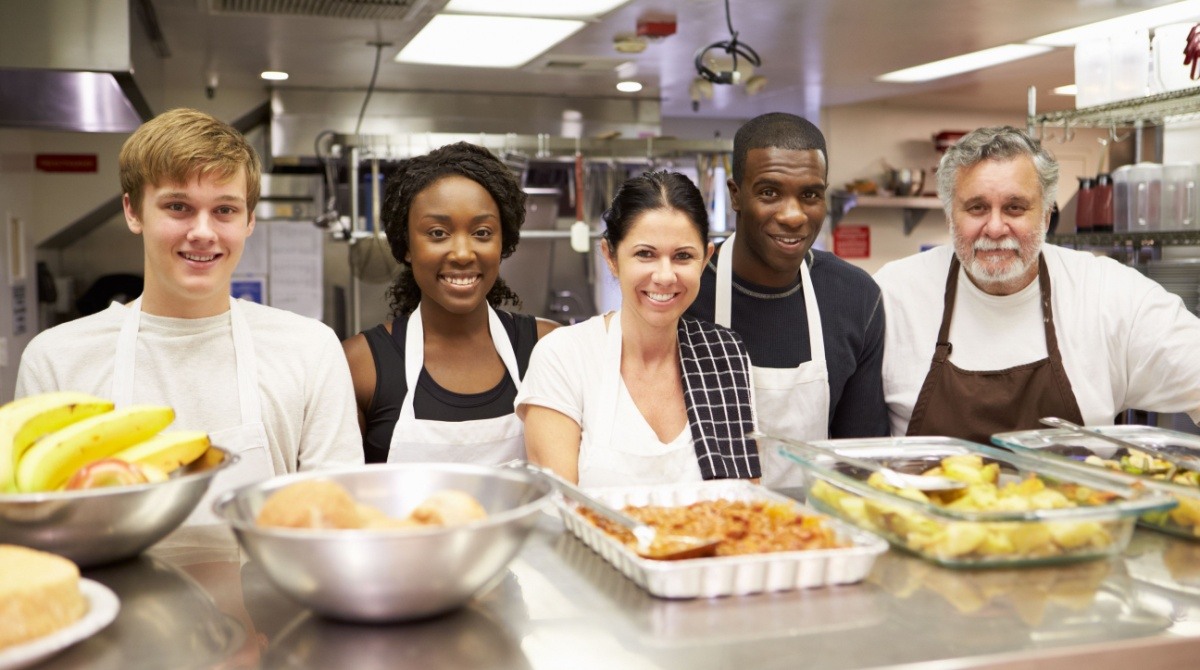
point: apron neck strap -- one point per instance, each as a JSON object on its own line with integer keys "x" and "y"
{"x": 944, "y": 347}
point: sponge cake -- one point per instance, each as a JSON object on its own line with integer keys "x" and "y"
{"x": 39, "y": 594}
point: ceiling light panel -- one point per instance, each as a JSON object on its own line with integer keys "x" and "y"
{"x": 1151, "y": 18}
{"x": 484, "y": 41}
{"x": 976, "y": 60}
{"x": 545, "y": 8}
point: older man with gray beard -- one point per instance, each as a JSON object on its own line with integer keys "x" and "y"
{"x": 1003, "y": 329}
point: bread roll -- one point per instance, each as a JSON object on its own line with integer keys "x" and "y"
{"x": 39, "y": 594}
{"x": 449, "y": 508}
{"x": 314, "y": 503}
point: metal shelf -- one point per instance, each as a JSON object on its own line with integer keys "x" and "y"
{"x": 915, "y": 207}
{"x": 1154, "y": 109}
{"x": 1134, "y": 240}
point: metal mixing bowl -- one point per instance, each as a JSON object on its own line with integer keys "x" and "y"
{"x": 97, "y": 526}
{"x": 397, "y": 574}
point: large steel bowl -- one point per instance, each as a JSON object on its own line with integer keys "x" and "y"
{"x": 395, "y": 574}
{"x": 97, "y": 526}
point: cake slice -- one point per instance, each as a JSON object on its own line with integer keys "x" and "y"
{"x": 39, "y": 594}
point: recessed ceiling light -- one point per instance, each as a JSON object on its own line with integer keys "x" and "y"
{"x": 629, "y": 86}
{"x": 545, "y": 8}
{"x": 976, "y": 60}
{"x": 1150, "y": 18}
{"x": 484, "y": 41}
{"x": 1069, "y": 89}
{"x": 273, "y": 75}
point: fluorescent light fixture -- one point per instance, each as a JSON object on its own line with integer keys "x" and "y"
{"x": 484, "y": 41}
{"x": 545, "y": 8}
{"x": 976, "y": 60}
{"x": 629, "y": 86}
{"x": 1069, "y": 89}
{"x": 1150, "y": 18}
{"x": 272, "y": 75}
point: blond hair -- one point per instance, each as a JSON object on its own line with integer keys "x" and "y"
{"x": 183, "y": 144}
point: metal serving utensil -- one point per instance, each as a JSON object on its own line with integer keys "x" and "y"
{"x": 650, "y": 544}
{"x": 1162, "y": 451}
{"x": 893, "y": 478}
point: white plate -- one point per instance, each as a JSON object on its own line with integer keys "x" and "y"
{"x": 102, "y": 609}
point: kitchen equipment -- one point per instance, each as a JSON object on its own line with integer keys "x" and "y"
{"x": 96, "y": 526}
{"x": 1121, "y": 199}
{"x": 946, "y": 139}
{"x": 1165, "y": 451}
{"x": 1084, "y": 199}
{"x": 1102, "y": 204}
{"x": 899, "y": 480}
{"x": 1145, "y": 197}
{"x": 904, "y": 182}
{"x": 964, "y": 535}
{"x": 650, "y": 543}
{"x": 1179, "y": 205}
{"x": 394, "y": 574}
{"x": 724, "y": 575}
{"x": 1110, "y": 460}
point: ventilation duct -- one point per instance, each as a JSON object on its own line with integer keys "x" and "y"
{"x": 378, "y": 10}
{"x": 68, "y": 64}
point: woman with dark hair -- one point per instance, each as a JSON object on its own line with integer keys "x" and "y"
{"x": 437, "y": 383}
{"x": 644, "y": 395}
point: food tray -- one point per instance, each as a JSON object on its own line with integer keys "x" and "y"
{"x": 723, "y": 575}
{"x": 1066, "y": 446}
{"x": 972, "y": 538}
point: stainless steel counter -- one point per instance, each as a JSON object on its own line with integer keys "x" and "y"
{"x": 194, "y": 601}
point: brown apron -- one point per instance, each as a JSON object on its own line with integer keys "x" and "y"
{"x": 974, "y": 405}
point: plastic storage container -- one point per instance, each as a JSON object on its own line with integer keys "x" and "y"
{"x": 1121, "y": 201}
{"x": 1068, "y": 447}
{"x": 1130, "y": 64}
{"x": 954, "y": 536}
{"x": 1179, "y": 196}
{"x": 1145, "y": 197}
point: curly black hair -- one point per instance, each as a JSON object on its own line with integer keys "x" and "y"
{"x": 415, "y": 175}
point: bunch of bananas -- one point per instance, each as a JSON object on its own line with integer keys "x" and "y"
{"x": 46, "y": 439}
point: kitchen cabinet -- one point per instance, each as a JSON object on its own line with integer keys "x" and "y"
{"x": 914, "y": 208}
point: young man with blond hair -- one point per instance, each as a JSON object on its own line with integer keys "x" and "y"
{"x": 269, "y": 385}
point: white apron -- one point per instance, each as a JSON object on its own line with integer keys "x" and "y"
{"x": 789, "y": 402}
{"x": 485, "y": 441}
{"x": 604, "y": 461}
{"x": 248, "y": 439}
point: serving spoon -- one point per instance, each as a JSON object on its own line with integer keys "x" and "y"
{"x": 650, "y": 544}
{"x": 892, "y": 477}
{"x": 1162, "y": 451}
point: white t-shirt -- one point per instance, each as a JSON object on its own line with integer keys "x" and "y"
{"x": 566, "y": 374}
{"x": 305, "y": 391}
{"x": 1126, "y": 342}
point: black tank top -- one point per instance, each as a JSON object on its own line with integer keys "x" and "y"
{"x": 432, "y": 402}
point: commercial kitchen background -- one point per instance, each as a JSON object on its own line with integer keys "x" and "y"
{"x": 820, "y": 58}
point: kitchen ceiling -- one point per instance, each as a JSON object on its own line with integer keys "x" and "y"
{"x": 815, "y": 53}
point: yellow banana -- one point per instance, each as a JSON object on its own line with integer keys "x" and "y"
{"x": 49, "y": 463}
{"x": 167, "y": 451}
{"x": 26, "y": 420}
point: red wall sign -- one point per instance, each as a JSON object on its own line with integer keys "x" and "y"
{"x": 66, "y": 162}
{"x": 852, "y": 241}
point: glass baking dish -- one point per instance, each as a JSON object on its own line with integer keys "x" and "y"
{"x": 954, "y": 536}
{"x": 1066, "y": 446}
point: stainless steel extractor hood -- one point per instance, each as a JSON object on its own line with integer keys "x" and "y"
{"x": 69, "y": 64}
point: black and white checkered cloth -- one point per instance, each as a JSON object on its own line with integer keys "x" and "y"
{"x": 719, "y": 396}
